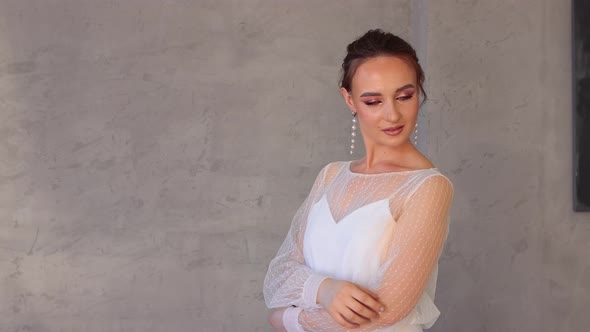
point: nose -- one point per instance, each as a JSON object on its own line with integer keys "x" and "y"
{"x": 392, "y": 113}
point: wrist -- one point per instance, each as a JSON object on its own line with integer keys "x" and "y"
{"x": 291, "y": 319}
{"x": 311, "y": 290}
{"x": 323, "y": 288}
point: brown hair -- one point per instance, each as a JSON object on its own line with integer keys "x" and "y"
{"x": 376, "y": 43}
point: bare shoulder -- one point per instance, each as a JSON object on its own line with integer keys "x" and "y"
{"x": 417, "y": 161}
{"x": 422, "y": 162}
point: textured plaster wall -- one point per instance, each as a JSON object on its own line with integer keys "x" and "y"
{"x": 152, "y": 153}
{"x": 517, "y": 258}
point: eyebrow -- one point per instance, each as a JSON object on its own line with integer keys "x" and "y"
{"x": 373, "y": 94}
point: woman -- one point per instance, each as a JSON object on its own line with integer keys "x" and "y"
{"x": 362, "y": 251}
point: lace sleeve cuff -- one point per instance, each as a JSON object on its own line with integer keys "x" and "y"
{"x": 310, "y": 290}
{"x": 291, "y": 319}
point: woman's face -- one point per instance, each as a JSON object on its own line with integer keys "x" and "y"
{"x": 384, "y": 93}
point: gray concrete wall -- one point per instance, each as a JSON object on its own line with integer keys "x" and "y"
{"x": 152, "y": 153}
{"x": 500, "y": 124}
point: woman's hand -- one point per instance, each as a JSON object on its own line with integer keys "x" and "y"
{"x": 349, "y": 304}
{"x": 275, "y": 318}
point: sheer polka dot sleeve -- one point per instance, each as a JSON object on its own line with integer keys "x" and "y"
{"x": 415, "y": 245}
{"x": 289, "y": 281}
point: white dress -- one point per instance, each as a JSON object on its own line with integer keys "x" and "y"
{"x": 384, "y": 232}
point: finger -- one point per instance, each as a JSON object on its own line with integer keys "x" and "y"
{"x": 342, "y": 321}
{"x": 353, "y": 317}
{"x": 361, "y": 309}
{"x": 368, "y": 301}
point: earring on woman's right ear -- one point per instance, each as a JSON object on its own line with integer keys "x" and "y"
{"x": 416, "y": 134}
{"x": 353, "y": 132}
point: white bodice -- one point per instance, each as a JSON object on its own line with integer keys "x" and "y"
{"x": 346, "y": 250}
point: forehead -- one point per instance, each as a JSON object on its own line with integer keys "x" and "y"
{"x": 383, "y": 72}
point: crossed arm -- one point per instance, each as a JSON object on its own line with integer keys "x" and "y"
{"x": 415, "y": 246}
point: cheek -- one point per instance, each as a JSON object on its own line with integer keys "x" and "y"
{"x": 410, "y": 106}
{"x": 369, "y": 120}
{"x": 367, "y": 113}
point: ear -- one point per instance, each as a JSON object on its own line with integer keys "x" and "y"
{"x": 347, "y": 98}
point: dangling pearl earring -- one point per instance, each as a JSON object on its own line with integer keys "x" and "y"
{"x": 416, "y": 134}
{"x": 353, "y": 133}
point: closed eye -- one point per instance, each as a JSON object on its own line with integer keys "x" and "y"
{"x": 405, "y": 97}
{"x": 372, "y": 102}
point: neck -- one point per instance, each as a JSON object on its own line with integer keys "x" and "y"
{"x": 377, "y": 155}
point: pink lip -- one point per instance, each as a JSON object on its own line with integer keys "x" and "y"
{"x": 392, "y": 131}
